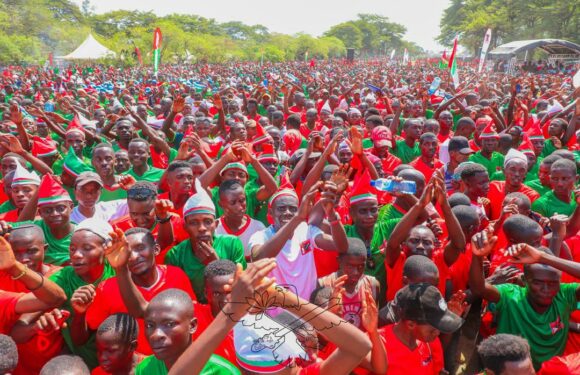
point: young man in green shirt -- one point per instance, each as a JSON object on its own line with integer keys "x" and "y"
{"x": 560, "y": 199}
{"x": 139, "y": 154}
{"x": 542, "y": 182}
{"x": 488, "y": 155}
{"x": 408, "y": 149}
{"x": 539, "y": 311}
{"x": 79, "y": 280}
{"x": 203, "y": 245}
{"x": 104, "y": 164}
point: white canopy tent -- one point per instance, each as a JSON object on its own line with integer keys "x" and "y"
{"x": 90, "y": 49}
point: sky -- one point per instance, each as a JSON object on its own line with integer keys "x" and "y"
{"x": 420, "y": 17}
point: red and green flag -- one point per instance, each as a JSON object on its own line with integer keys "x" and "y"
{"x": 452, "y": 65}
{"x": 444, "y": 60}
{"x": 157, "y": 38}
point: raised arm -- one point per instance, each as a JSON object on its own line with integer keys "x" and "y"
{"x": 481, "y": 245}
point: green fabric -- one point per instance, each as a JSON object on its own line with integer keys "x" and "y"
{"x": 537, "y": 186}
{"x": 493, "y": 164}
{"x": 389, "y": 212}
{"x": 69, "y": 281}
{"x": 152, "y": 174}
{"x": 226, "y": 247}
{"x": 57, "y": 166}
{"x": 534, "y": 171}
{"x": 405, "y": 153}
{"x": 6, "y": 206}
{"x": 497, "y": 176}
{"x": 548, "y": 148}
{"x": 367, "y": 143}
{"x": 111, "y": 195}
{"x": 548, "y": 205}
{"x": 216, "y": 365}
{"x": 58, "y": 250}
{"x": 255, "y": 208}
{"x": 382, "y": 231}
{"x": 546, "y": 337}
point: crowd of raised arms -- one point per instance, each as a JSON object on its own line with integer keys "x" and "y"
{"x": 295, "y": 219}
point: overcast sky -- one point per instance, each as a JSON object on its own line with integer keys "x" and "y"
{"x": 420, "y": 17}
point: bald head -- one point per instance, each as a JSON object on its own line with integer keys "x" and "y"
{"x": 29, "y": 231}
{"x": 175, "y": 299}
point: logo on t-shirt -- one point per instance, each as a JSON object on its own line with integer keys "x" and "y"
{"x": 556, "y": 325}
{"x": 305, "y": 247}
{"x": 351, "y": 313}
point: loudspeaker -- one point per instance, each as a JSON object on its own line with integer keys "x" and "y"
{"x": 350, "y": 54}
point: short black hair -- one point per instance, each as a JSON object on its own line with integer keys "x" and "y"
{"x": 104, "y": 145}
{"x": 564, "y": 154}
{"x": 459, "y": 199}
{"x": 521, "y": 228}
{"x": 219, "y": 267}
{"x": 148, "y": 236}
{"x": 8, "y": 354}
{"x": 140, "y": 140}
{"x": 123, "y": 324}
{"x": 293, "y": 121}
{"x": 465, "y": 121}
{"x": 466, "y": 216}
{"x": 551, "y": 159}
{"x": 229, "y": 185}
{"x": 498, "y": 349}
{"x": 471, "y": 169}
{"x": 426, "y": 136}
{"x": 417, "y": 265}
{"x": 564, "y": 164}
{"x": 356, "y": 247}
{"x": 65, "y": 364}
{"x": 175, "y": 297}
{"x": 142, "y": 191}
{"x": 375, "y": 120}
{"x": 518, "y": 196}
{"x": 177, "y": 164}
{"x": 321, "y": 295}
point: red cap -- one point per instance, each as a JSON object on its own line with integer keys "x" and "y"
{"x": 381, "y": 137}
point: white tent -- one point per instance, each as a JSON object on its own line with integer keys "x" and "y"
{"x": 90, "y": 49}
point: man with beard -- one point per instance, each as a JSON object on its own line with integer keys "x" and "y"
{"x": 203, "y": 245}
{"x": 427, "y": 163}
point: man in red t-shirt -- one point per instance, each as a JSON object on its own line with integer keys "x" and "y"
{"x": 427, "y": 163}
{"x": 382, "y": 140}
{"x": 149, "y": 278}
{"x": 413, "y": 342}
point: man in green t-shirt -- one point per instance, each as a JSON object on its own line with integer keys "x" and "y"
{"x": 139, "y": 154}
{"x": 560, "y": 199}
{"x": 169, "y": 341}
{"x": 203, "y": 245}
{"x": 104, "y": 164}
{"x": 408, "y": 149}
{"x": 79, "y": 280}
{"x": 488, "y": 155}
{"x": 539, "y": 311}
{"x": 542, "y": 182}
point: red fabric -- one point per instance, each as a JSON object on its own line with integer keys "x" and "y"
{"x": 10, "y": 216}
{"x": 459, "y": 271}
{"x": 8, "y": 314}
{"x": 326, "y": 262}
{"x": 561, "y": 365}
{"x": 425, "y": 359}
{"x": 390, "y": 162}
{"x": 497, "y": 194}
{"x": 179, "y": 234}
{"x": 3, "y": 196}
{"x": 108, "y": 300}
{"x": 395, "y": 274}
{"x": 473, "y": 145}
{"x": 422, "y": 167}
{"x": 313, "y": 369}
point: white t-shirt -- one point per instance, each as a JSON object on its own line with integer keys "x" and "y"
{"x": 252, "y": 226}
{"x": 106, "y": 211}
{"x": 295, "y": 261}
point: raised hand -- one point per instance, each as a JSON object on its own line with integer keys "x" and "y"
{"x": 12, "y": 143}
{"x": 523, "y": 253}
{"x": 7, "y": 259}
{"x": 117, "y": 251}
{"x": 163, "y": 208}
{"x": 126, "y": 182}
{"x": 52, "y": 321}
{"x": 340, "y": 178}
{"x": 482, "y": 243}
{"x": 335, "y": 302}
{"x": 558, "y": 223}
{"x": 357, "y": 138}
{"x": 504, "y": 274}
{"x": 457, "y": 303}
{"x": 308, "y": 201}
{"x": 370, "y": 312}
{"x": 217, "y": 102}
{"x": 329, "y": 197}
{"x": 178, "y": 104}
{"x": 82, "y": 298}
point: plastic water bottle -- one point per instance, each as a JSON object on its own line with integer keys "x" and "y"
{"x": 392, "y": 186}
{"x": 434, "y": 85}
{"x": 48, "y": 107}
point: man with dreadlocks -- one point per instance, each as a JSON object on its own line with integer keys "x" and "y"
{"x": 116, "y": 343}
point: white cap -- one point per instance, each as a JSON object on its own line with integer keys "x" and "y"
{"x": 199, "y": 203}
{"x": 98, "y": 226}
{"x": 514, "y": 154}
{"x": 24, "y": 177}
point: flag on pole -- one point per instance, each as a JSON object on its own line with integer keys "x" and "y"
{"x": 138, "y": 55}
{"x": 444, "y": 60}
{"x": 452, "y": 65}
{"x": 406, "y": 56}
{"x": 157, "y": 38}
{"x": 486, "y": 42}
{"x": 392, "y": 53}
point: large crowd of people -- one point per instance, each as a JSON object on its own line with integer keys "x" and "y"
{"x": 322, "y": 217}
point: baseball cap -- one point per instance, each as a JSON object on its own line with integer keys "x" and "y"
{"x": 86, "y": 177}
{"x": 381, "y": 136}
{"x": 423, "y": 303}
{"x": 461, "y": 144}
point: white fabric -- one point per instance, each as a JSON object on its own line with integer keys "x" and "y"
{"x": 22, "y": 173}
{"x": 253, "y": 227}
{"x": 90, "y": 49}
{"x": 106, "y": 211}
{"x": 97, "y": 226}
{"x": 199, "y": 199}
{"x": 296, "y": 267}
{"x": 444, "y": 152}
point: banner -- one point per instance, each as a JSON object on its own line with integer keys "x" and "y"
{"x": 484, "y": 48}
{"x": 453, "y": 65}
{"x": 157, "y": 39}
{"x": 392, "y": 53}
{"x": 406, "y": 56}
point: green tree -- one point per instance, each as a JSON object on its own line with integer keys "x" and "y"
{"x": 349, "y": 33}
